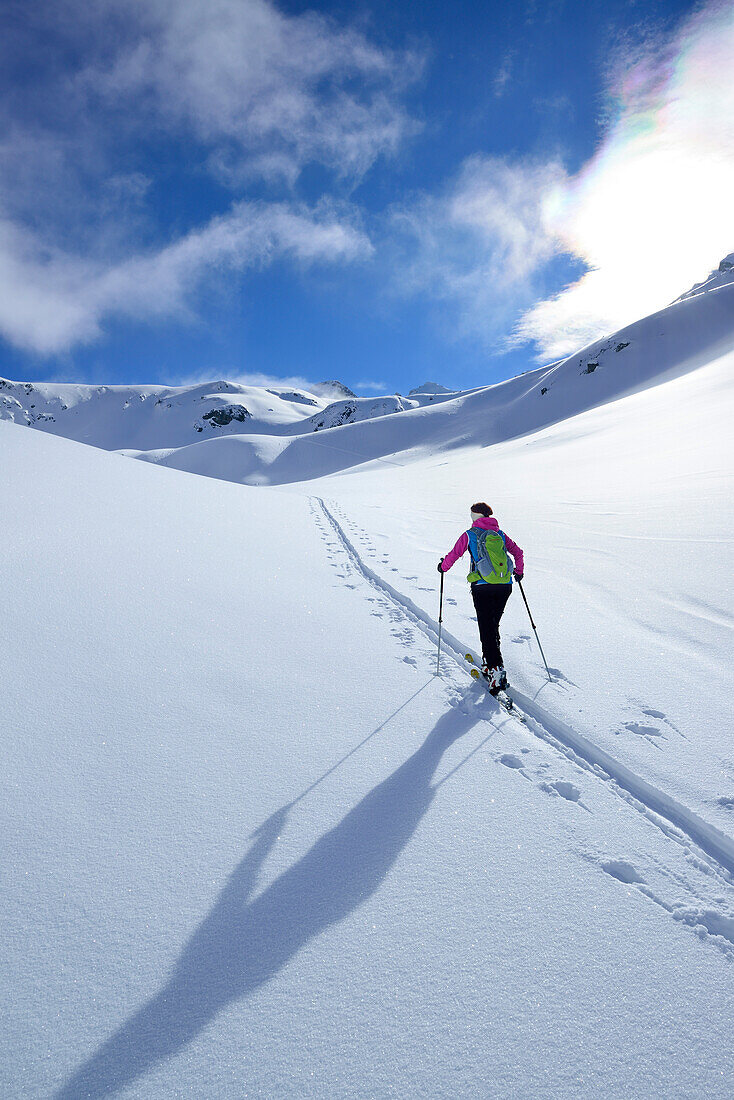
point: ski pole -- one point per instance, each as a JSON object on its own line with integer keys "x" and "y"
{"x": 440, "y": 620}
{"x": 534, "y": 630}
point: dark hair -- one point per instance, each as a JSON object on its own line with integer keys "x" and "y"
{"x": 481, "y": 507}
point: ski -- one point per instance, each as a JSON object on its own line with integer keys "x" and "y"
{"x": 503, "y": 697}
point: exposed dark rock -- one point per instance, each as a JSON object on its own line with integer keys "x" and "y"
{"x": 338, "y": 419}
{"x": 293, "y": 395}
{"x": 589, "y": 368}
{"x": 219, "y": 418}
{"x": 624, "y": 344}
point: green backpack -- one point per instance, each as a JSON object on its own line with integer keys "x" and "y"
{"x": 488, "y": 557}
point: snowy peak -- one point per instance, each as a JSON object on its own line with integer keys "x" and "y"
{"x": 332, "y": 390}
{"x": 358, "y": 409}
{"x": 723, "y": 275}
{"x": 429, "y": 389}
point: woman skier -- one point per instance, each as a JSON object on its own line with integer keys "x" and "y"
{"x": 491, "y": 583}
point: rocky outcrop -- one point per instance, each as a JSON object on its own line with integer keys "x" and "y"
{"x": 222, "y": 416}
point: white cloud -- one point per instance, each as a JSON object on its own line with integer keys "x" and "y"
{"x": 41, "y": 308}
{"x": 652, "y": 211}
{"x": 99, "y": 101}
{"x": 268, "y": 92}
{"x": 51, "y": 300}
{"x": 480, "y": 243}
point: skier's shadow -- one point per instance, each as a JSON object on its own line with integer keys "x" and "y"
{"x": 243, "y": 943}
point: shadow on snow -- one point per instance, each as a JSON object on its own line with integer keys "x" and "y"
{"x": 243, "y": 943}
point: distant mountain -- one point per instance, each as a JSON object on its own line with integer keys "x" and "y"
{"x": 145, "y": 418}
{"x": 430, "y": 389}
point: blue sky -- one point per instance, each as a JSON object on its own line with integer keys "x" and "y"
{"x": 379, "y": 192}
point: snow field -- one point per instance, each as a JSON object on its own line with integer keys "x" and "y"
{"x": 350, "y": 879}
{"x": 625, "y": 514}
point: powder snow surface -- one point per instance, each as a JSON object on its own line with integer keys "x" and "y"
{"x": 255, "y": 846}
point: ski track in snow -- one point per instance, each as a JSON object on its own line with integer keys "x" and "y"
{"x": 706, "y": 879}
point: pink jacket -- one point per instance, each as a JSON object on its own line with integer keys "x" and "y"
{"x": 462, "y": 545}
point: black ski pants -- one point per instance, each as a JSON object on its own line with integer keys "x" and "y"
{"x": 489, "y": 602}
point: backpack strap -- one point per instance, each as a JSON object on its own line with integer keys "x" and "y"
{"x": 473, "y": 563}
{"x": 473, "y": 576}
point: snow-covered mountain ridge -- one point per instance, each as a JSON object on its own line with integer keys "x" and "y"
{"x": 675, "y": 341}
{"x": 722, "y": 276}
{"x": 147, "y": 417}
{"x": 274, "y": 435}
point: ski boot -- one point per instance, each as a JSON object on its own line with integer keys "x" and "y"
{"x": 496, "y": 678}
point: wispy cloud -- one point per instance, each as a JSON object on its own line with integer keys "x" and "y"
{"x": 244, "y": 378}
{"x": 53, "y": 299}
{"x": 373, "y": 387}
{"x": 97, "y": 101}
{"x": 268, "y": 92}
{"x": 480, "y": 244}
{"x": 502, "y": 76}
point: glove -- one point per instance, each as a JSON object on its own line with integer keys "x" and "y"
{"x": 439, "y": 566}
{"x": 519, "y": 576}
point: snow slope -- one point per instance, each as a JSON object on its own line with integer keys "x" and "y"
{"x": 255, "y": 846}
{"x": 341, "y": 877}
{"x": 115, "y": 417}
{"x": 722, "y": 276}
{"x": 626, "y": 516}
